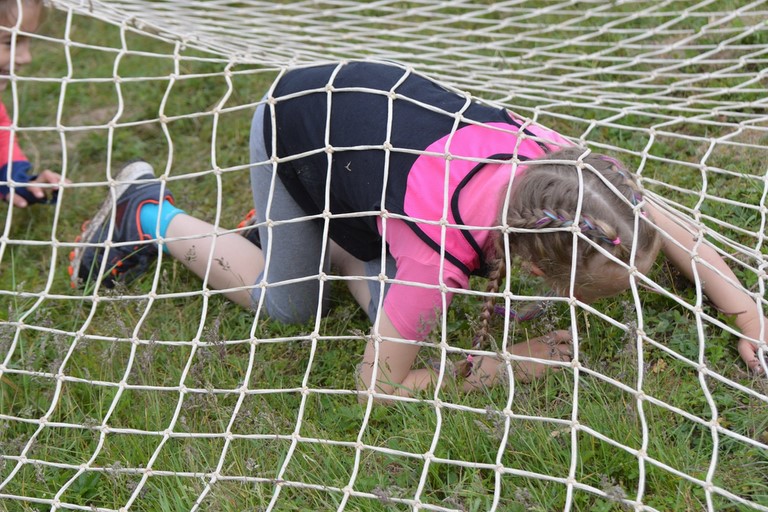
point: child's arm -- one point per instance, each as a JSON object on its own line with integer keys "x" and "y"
{"x": 395, "y": 376}
{"x": 718, "y": 282}
{"x": 395, "y": 359}
{"x": 15, "y": 166}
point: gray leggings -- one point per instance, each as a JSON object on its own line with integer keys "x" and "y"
{"x": 295, "y": 248}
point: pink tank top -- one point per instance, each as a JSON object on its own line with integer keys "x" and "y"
{"x": 412, "y": 309}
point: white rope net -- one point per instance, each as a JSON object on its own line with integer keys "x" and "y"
{"x": 161, "y": 396}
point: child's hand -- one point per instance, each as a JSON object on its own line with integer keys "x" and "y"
{"x": 748, "y": 352}
{"x": 747, "y": 349}
{"x": 24, "y": 196}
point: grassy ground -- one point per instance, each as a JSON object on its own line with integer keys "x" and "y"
{"x": 117, "y": 405}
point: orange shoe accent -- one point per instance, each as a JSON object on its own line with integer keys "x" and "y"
{"x": 248, "y": 217}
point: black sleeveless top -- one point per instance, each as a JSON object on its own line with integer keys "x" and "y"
{"x": 374, "y": 140}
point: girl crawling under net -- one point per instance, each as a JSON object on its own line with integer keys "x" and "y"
{"x": 388, "y": 176}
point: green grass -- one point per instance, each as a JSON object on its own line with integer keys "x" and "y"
{"x": 213, "y": 348}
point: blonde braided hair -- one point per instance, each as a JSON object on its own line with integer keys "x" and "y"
{"x": 546, "y": 196}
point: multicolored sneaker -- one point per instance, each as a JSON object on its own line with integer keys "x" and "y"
{"x": 249, "y": 230}
{"x": 129, "y": 258}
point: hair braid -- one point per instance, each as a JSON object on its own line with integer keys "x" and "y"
{"x": 607, "y": 235}
{"x": 597, "y": 230}
{"x": 497, "y": 269}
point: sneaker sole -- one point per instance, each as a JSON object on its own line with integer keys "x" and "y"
{"x": 127, "y": 176}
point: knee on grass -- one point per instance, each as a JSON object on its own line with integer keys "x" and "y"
{"x": 290, "y": 311}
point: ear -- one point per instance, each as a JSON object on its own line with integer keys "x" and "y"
{"x": 535, "y": 270}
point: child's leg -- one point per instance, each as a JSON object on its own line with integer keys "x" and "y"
{"x": 294, "y": 250}
{"x": 235, "y": 262}
{"x": 143, "y": 211}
